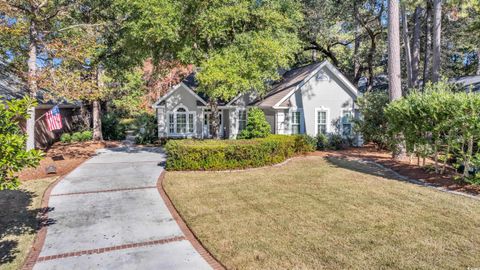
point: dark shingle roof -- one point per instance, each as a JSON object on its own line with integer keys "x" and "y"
{"x": 289, "y": 81}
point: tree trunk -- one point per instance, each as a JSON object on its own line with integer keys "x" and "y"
{"x": 416, "y": 46}
{"x": 96, "y": 108}
{"x": 427, "y": 45}
{"x": 394, "y": 75}
{"x": 468, "y": 157}
{"x": 314, "y": 55}
{"x": 478, "y": 62}
{"x": 32, "y": 84}
{"x": 371, "y": 52}
{"x": 395, "y": 87}
{"x": 215, "y": 118}
{"x": 437, "y": 34}
{"x": 406, "y": 44}
{"x": 357, "y": 72}
{"x": 97, "y": 122}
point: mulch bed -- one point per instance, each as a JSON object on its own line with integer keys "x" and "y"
{"x": 405, "y": 168}
{"x": 65, "y": 157}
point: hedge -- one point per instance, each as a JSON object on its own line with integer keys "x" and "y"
{"x": 234, "y": 154}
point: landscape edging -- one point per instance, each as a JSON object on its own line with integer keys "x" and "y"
{"x": 189, "y": 235}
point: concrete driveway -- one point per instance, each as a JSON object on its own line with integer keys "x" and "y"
{"x": 108, "y": 214}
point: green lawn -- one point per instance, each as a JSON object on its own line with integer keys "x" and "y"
{"x": 18, "y": 221}
{"x": 326, "y": 214}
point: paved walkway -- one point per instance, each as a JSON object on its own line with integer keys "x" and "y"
{"x": 108, "y": 214}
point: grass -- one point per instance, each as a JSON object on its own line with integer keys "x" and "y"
{"x": 18, "y": 221}
{"x": 315, "y": 213}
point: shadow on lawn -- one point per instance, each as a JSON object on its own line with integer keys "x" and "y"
{"x": 362, "y": 167}
{"x": 17, "y": 219}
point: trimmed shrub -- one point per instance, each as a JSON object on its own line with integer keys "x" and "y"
{"x": 322, "y": 141}
{"x": 76, "y": 137}
{"x": 257, "y": 125}
{"x": 86, "y": 135}
{"x": 66, "y": 138}
{"x": 305, "y": 143}
{"x": 233, "y": 154}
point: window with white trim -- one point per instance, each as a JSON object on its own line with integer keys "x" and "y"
{"x": 295, "y": 122}
{"x": 321, "y": 122}
{"x": 242, "y": 120}
{"x": 347, "y": 116}
{"x": 181, "y": 121}
{"x": 171, "y": 123}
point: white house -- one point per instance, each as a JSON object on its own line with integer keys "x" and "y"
{"x": 309, "y": 99}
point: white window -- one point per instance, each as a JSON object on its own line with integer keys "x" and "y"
{"x": 295, "y": 122}
{"x": 181, "y": 122}
{"x": 242, "y": 120}
{"x": 190, "y": 122}
{"x": 347, "y": 116}
{"x": 171, "y": 123}
{"x": 321, "y": 122}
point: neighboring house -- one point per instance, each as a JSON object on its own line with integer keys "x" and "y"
{"x": 12, "y": 87}
{"x": 380, "y": 83}
{"x": 312, "y": 99}
{"x": 471, "y": 83}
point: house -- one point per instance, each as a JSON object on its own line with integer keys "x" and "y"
{"x": 470, "y": 83}
{"x": 311, "y": 99}
{"x": 12, "y": 87}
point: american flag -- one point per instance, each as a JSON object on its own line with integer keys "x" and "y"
{"x": 54, "y": 119}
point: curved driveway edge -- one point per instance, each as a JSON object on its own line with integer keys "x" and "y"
{"x": 108, "y": 214}
{"x": 185, "y": 229}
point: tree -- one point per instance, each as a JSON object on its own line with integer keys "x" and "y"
{"x": 394, "y": 75}
{"x": 437, "y": 39}
{"x": 36, "y": 22}
{"x": 12, "y": 142}
{"x": 257, "y": 125}
{"x": 238, "y": 45}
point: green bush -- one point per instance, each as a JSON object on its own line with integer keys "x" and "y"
{"x": 373, "y": 122}
{"x": 147, "y": 128}
{"x": 305, "y": 143}
{"x": 13, "y": 156}
{"x": 111, "y": 129}
{"x": 257, "y": 125}
{"x": 233, "y": 154}
{"x": 77, "y": 137}
{"x": 86, "y": 135}
{"x": 337, "y": 142}
{"x": 322, "y": 141}
{"x": 66, "y": 138}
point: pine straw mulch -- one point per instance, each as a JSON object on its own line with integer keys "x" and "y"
{"x": 65, "y": 157}
{"x": 405, "y": 167}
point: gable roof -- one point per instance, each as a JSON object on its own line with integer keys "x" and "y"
{"x": 294, "y": 79}
{"x": 175, "y": 88}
